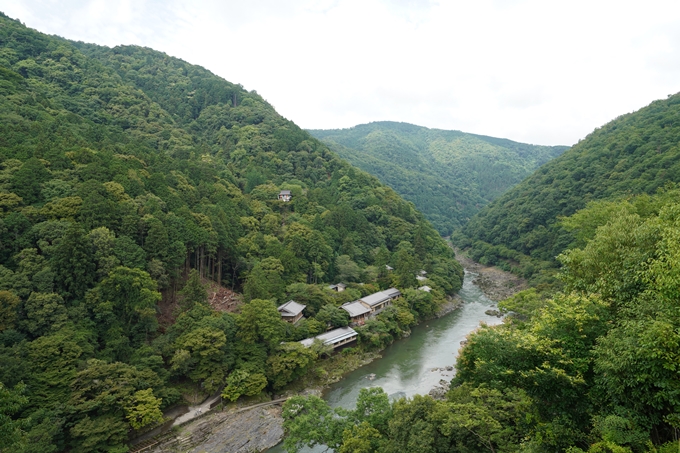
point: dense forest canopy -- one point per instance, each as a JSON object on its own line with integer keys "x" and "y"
{"x": 448, "y": 175}
{"x": 128, "y": 180}
{"x": 634, "y": 154}
{"x": 592, "y": 368}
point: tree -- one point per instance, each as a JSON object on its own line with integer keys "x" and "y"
{"x": 11, "y": 402}
{"x": 143, "y": 409}
{"x": 44, "y": 312}
{"x": 27, "y": 181}
{"x": 260, "y": 323}
{"x": 497, "y": 421}
{"x": 102, "y": 395}
{"x": 333, "y": 316}
{"x": 73, "y": 264}
{"x": 406, "y": 267}
{"x": 264, "y": 281}
{"x": 201, "y": 355}
{"x": 124, "y": 303}
{"x": 310, "y": 421}
{"x": 292, "y": 361}
{"x": 193, "y": 292}
{"x": 347, "y": 270}
{"x": 241, "y": 382}
{"x": 8, "y": 306}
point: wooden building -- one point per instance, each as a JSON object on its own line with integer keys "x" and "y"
{"x": 335, "y": 337}
{"x": 358, "y": 312}
{"x": 291, "y": 311}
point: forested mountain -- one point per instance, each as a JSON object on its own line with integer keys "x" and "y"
{"x": 448, "y": 175}
{"x": 636, "y": 153}
{"x": 124, "y": 171}
{"x": 592, "y": 368}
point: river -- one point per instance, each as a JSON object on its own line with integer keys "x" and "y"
{"x": 413, "y": 365}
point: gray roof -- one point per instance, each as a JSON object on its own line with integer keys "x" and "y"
{"x": 392, "y": 292}
{"x": 284, "y": 192}
{"x": 355, "y": 308}
{"x": 375, "y": 298}
{"x": 291, "y": 308}
{"x": 381, "y": 296}
{"x": 332, "y": 336}
{"x": 425, "y": 288}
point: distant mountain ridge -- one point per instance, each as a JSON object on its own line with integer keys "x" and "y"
{"x": 449, "y": 175}
{"x": 637, "y": 153}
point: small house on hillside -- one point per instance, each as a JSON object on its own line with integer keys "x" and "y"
{"x": 285, "y": 195}
{"x": 291, "y": 311}
{"x": 335, "y": 338}
{"x": 425, "y": 288}
{"x": 340, "y": 287}
{"x": 358, "y": 311}
{"x": 388, "y": 267}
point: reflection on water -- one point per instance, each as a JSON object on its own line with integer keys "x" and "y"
{"x": 413, "y": 365}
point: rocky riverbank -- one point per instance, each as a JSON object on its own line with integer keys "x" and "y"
{"x": 495, "y": 283}
{"x": 451, "y": 304}
{"x": 245, "y": 431}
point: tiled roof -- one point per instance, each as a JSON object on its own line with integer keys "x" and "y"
{"x": 355, "y": 308}
{"x": 332, "y": 336}
{"x": 291, "y": 308}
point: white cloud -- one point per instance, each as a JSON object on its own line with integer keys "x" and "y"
{"x": 530, "y": 70}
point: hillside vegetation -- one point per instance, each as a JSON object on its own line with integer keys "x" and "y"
{"x": 592, "y": 368}
{"x": 448, "y": 175}
{"x": 636, "y": 153}
{"x": 127, "y": 179}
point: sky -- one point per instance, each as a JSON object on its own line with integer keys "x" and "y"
{"x": 535, "y": 71}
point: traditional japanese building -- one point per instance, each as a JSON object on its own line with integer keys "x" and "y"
{"x": 339, "y": 287}
{"x": 335, "y": 337}
{"x": 378, "y": 301}
{"x": 358, "y": 311}
{"x": 291, "y": 311}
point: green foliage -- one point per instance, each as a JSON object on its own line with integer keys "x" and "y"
{"x": 8, "y": 306}
{"x": 292, "y": 361}
{"x": 11, "y": 402}
{"x": 124, "y": 170}
{"x": 194, "y": 292}
{"x": 260, "y": 323}
{"x": 143, "y": 409}
{"x": 240, "y": 382}
{"x": 448, "y": 175}
{"x": 634, "y": 154}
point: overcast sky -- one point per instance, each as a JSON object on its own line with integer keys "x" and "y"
{"x": 535, "y": 71}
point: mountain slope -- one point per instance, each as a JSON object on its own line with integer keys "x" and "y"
{"x": 448, "y": 175}
{"x": 128, "y": 177}
{"x": 636, "y": 153}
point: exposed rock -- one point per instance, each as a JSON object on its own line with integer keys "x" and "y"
{"x": 439, "y": 392}
{"x": 495, "y": 283}
{"x": 248, "y": 431}
{"x": 493, "y": 313}
{"x": 452, "y": 304}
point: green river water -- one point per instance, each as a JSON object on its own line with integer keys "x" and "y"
{"x": 412, "y": 365}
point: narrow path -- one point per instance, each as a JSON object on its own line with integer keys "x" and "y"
{"x": 196, "y": 411}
